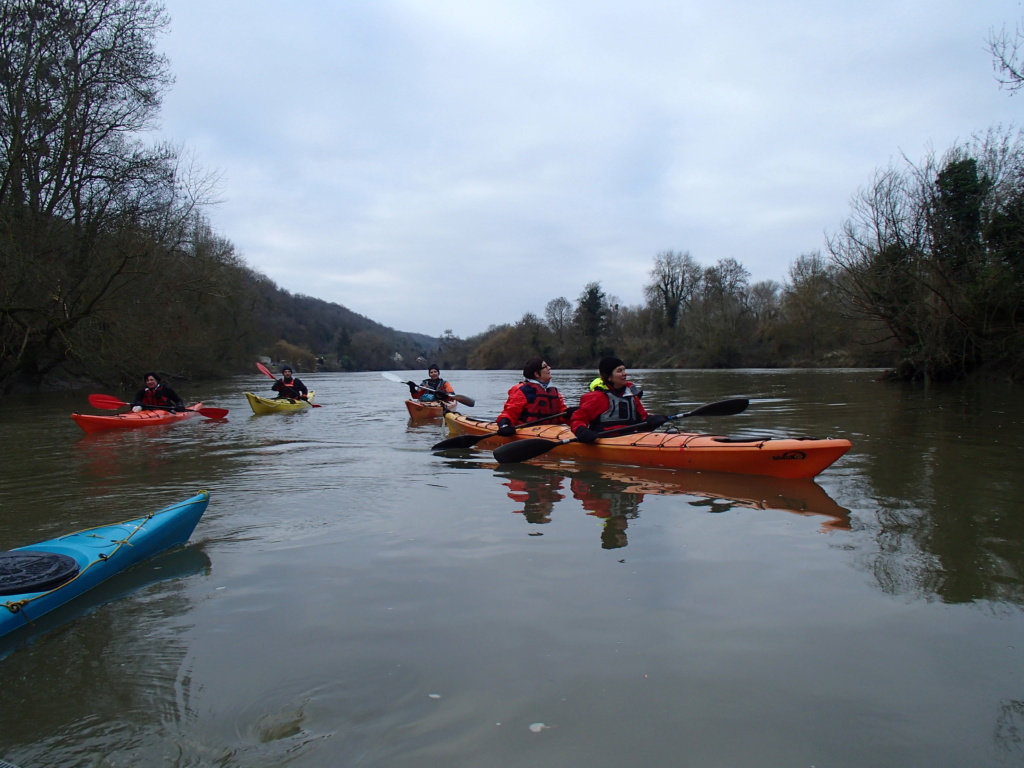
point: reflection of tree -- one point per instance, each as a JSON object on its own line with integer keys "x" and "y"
{"x": 946, "y": 499}
{"x": 1009, "y": 731}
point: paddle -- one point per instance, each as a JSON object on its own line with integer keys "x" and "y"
{"x": 464, "y": 399}
{"x": 109, "y": 403}
{"x": 524, "y": 450}
{"x": 468, "y": 441}
{"x": 266, "y": 371}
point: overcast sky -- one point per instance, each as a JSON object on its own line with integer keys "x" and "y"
{"x": 454, "y": 164}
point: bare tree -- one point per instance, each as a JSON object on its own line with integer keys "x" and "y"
{"x": 87, "y": 211}
{"x": 933, "y": 253}
{"x": 809, "y": 303}
{"x": 675, "y": 279}
{"x": 1006, "y": 49}
{"x": 558, "y": 313}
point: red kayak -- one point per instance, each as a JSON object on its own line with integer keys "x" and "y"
{"x": 131, "y": 419}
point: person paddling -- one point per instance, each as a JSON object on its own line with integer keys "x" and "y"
{"x": 156, "y": 395}
{"x": 612, "y": 402}
{"x": 431, "y": 388}
{"x": 290, "y": 387}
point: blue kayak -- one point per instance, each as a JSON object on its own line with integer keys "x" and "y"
{"x": 38, "y": 578}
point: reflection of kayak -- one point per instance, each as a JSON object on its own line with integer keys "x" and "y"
{"x": 721, "y": 490}
{"x": 792, "y": 458}
{"x": 146, "y": 418}
{"x": 429, "y": 410}
{"x": 277, "y": 404}
{"x": 40, "y": 577}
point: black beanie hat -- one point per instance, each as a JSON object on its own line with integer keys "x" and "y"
{"x": 607, "y": 365}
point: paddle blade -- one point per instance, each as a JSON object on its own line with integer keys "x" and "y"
{"x": 461, "y": 441}
{"x": 721, "y": 408}
{"x": 106, "y": 402}
{"x": 524, "y": 450}
{"x": 265, "y": 371}
{"x": 464, "y": 399}
{"x": 213, "y": 413}
{"x": 392, "y": 377}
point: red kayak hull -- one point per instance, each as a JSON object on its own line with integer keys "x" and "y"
{"x": 93, "y": 423}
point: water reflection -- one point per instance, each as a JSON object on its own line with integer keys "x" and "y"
{"x": 938, "y": 472}
{"x": 615, "y": 494}
{"x": 176, "y": 564}
{"x": 404, "y": 575}
{"x": 538, "y": 495}
{"x": 1009, "y": 730}
{"x": 106, "y": 459}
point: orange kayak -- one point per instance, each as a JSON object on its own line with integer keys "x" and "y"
{"x": 148, "y": 418}
{"x": 429, "y": 410}
{"x": 792, "y": 458}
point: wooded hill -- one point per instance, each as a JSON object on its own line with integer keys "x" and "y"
{"x": 109, "y": 267}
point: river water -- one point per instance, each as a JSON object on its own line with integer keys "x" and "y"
{"x": 351, "y": 599}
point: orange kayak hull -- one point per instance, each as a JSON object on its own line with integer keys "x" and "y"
{"x": 789, "y": 458}
{"x": 149, "y": 418}
{"x": 429, "y": 410}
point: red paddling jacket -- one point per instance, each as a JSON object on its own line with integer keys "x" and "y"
{"x": 530, "y": 401}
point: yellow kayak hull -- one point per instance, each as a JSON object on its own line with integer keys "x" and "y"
{"x": 263, "y": 405}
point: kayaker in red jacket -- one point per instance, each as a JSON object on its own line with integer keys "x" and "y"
{"x": 289, "y": 386}
{"x": 612, "y": 402}
{"x": 156, "y": 395}
{"x": 431, "y": 388}
{"x": 532, "y": 399}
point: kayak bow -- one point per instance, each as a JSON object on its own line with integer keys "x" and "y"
{"x": 40, "y": 577}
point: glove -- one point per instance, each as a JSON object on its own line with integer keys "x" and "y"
{"x": 654, "y": 421}
{"x": 586, "y": 435}
{"x": 136, "y": 408}
{"x": 412, "y": 388}
{"x": 568, "y": 413}
{"x": 505, "y": 428}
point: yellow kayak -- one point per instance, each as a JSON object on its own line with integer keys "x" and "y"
{"x": 277, "y": 404}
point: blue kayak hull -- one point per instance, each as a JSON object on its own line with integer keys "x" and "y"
{"x": 103, "y": 552}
